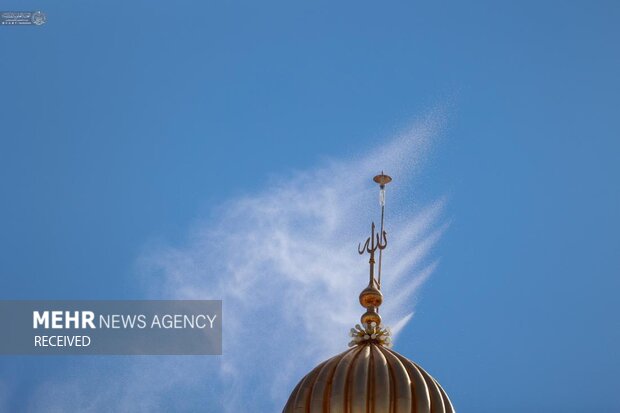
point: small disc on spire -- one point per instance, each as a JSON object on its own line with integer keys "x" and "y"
{"x": 382, "y": 179}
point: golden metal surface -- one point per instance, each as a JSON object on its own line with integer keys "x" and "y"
{"x": 371, "y": 297}
{"x": 368, "y": 378}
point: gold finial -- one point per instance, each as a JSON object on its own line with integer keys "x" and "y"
{"x": 371, "y": 297}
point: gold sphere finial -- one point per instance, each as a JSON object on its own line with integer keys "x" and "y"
{"x": 371, "y": 297}
{"x": 371, "y": 316}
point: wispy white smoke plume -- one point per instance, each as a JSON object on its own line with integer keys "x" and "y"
{"x": 285, "y": 263}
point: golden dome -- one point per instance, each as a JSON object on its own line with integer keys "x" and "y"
{"x": 368, "y": 378}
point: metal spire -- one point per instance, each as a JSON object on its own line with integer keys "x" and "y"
{"x": 371, "y": 297}
{"x": 382, "y": 180}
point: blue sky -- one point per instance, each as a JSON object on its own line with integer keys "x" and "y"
{"x": 125, "y": 126}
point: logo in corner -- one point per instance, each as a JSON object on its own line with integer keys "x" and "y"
{"x": 38, "y": 18}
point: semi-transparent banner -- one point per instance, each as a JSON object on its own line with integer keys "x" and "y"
{"x": 174, "y": 327}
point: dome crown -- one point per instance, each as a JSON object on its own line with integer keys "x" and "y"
{"x": 369, "y": 377}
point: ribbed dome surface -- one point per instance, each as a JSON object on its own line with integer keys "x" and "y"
{"x": 368, "y": 378}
